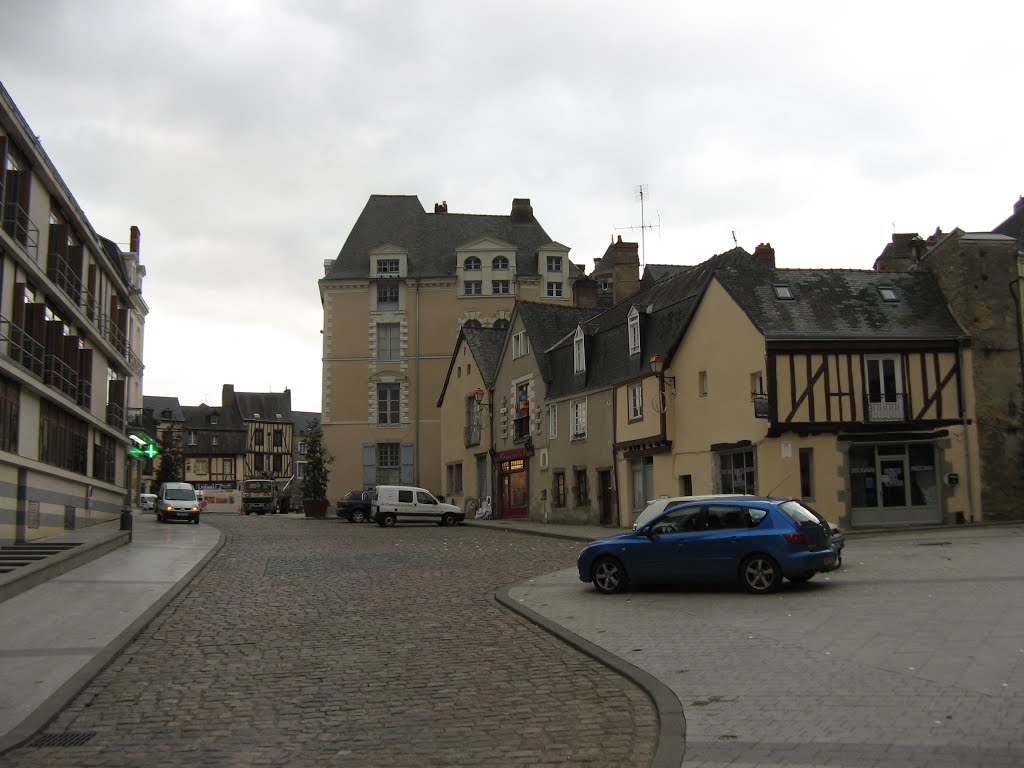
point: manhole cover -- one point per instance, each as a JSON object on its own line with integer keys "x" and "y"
{"x": 66, "y": 739}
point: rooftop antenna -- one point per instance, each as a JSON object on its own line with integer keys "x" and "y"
{"x": 735, "y": 242}
{"x": 642, "y": 195}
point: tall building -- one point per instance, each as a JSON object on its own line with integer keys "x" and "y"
{"x": 394, "y": 300}
{"x": 72, "y": 323}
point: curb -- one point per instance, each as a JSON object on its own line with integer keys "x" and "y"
{"x": 671, "y": 746}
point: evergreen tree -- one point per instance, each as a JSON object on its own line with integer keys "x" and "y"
{"x": 171, "y": 465}
{"x": 314, "y": 484}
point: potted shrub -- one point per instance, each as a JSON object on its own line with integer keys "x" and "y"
{"x": 314, "y": 484}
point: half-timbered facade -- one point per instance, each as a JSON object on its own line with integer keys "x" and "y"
{"x": 214, "y": 442}
{"x": 269, "y": 432}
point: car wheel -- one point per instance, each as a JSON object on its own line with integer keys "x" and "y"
{"x": 760, "y": 574}
{"x": 357, "y": 516}
{"x": 388, "y": 520}
{"x": 159, "y": 517}
{"x": 802, "y": 577}
{"x": 447, "y": 519}
{"x": 609, "y": 576}
{"x": 196, "y": 519}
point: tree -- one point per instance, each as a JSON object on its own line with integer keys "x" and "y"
{"x": 314, "y": 484}
{"x": 171, "y": 465}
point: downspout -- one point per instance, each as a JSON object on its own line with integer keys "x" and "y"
{"x": 419, "y": 330}
{"x": 964, "y": 424}
{"x": 491, "y": 471}
{"x": 1017, "y": 294}
{"x": 615, "y": 457}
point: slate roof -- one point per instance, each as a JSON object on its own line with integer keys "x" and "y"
{"x": 229, "y": 430}
{"x": 548, "y": 324}
{"x": 160, "y": 404}
{"x": 653, "y": 272}
{"x": 430, "y": 239}
{"x": 266, "y": 404}
{"x": 1014, "y": 225}
{"x": 485, "y": 344}
{"x": 842, "y": 304}
{"x": 301, "y": 420}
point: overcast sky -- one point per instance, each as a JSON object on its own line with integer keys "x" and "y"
{"x": 243, "y": 138}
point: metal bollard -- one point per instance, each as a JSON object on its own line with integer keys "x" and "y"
{"x": 126, "y": 522}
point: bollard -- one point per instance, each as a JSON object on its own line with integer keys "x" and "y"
{"x": 126, "y": 522}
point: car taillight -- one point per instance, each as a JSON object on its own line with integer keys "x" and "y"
{"x": 798, "y": 538}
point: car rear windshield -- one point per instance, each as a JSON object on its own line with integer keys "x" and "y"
{"x": 353, "y": 496}
{"x": 798, "y": 513}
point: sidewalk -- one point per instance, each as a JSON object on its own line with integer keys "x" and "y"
{"x": 57, "y": 635}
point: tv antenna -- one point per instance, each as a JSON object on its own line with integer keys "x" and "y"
{"x": 642, "y": 195}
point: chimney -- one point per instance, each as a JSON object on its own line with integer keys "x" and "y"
{"x": 765, "y": 254}
{"x": 899, "y": 255}
{"x": 134, "y": 238}
{"x": 441, "y": 207}
{"x": 522, "y": 211}
{"x": 227, "y": 396}
{"x": 625, "y": 270}
{"x": 584, "y": 292}
{"x": 1018, "y": 205}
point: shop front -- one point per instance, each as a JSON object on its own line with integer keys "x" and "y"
{"x": 894, "y": 484}
{"x": 513, "y": 477}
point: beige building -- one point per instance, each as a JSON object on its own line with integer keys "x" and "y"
{"x": 71, "y": 335}
{"x": 403, "y": 285}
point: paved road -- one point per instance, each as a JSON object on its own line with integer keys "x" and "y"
{"x": 911, "y": 655}
{"x": 321, "y": 643}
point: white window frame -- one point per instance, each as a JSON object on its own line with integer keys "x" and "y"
{"x": 472, "y": 264}
{"x": 579, "y": 419}
{"x": 554, "y": 289}
{"x": 499, "y": 263}
{"x": 554, "y": 264}
{"x": 520, "y": 345}
{"x": 634, "y": 331}
{"x": 552, "y": 421}
{"x": 388, "y": 266}
{"x": 476, "y": 285}
{"x": 636, "y": 401}
{"x": 501, "y": 287}
{"x": 392, "y": 351}
{"x": 579, "y": 352}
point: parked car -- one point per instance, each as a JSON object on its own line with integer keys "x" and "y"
{"x": 754, "y": 541}
{"x": 147, "y": 501}
{"x": 394, "y": 503}
{"x": 355, "y": 505}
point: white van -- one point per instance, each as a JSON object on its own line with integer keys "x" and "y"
{"x": 147, "y": 501}
{"x": 175, "y": 501}
{"x": 405, "y": 503}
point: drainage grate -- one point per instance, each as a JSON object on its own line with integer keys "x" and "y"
{"x": 66, "y": 739}
{"x": 333, "y": 565}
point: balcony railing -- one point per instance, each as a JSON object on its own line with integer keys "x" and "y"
{"x": 17, "y": 345}
{"x": 888, "y": 408}
{"x": 60, "y": 375}
{"x": 472, "y": 433}
{"x": 141, "y": 418}
{"x": 84, "y": 398}
{"x": 520, "y": 427}
{"x": 114, "y": 335}
{"x": 20, "y": 227}
{"x": 115, "y": 415}
{"x": 64, "y": 277}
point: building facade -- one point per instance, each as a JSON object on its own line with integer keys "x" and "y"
{"x": 394, "y": 300}
{"x": 71, "y": 331}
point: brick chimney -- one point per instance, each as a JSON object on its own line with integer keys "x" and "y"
{"x": 227, "y": 396}
{"x": 625, "y": 270}
{"x": 584, "y": 292}
{"x": 765, "y": 254}
{"x": 135, "y": 239}
{"x": 902, "y": 253}
{"x": 522, "y": 211}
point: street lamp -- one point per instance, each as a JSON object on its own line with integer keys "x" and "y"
{"x": 658, "y": 369}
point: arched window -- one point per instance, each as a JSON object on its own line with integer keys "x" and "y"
{"x": 500, "y": 323}
{"x": 471, "y": 264}
{"x": 472, "y": 324}
{"x": 500, "y": 262}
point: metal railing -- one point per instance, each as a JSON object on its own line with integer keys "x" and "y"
{"x": 64, "y": 277}
{"x": 115, "y": 415}
{"x": 472, "y": 433}
{"x": 19, "y": 226}
{"x": 520, "y": 427}
{"x": 888, "y": 408}
{"x": 60, "y": 375}
{"x": 17, "y": 345}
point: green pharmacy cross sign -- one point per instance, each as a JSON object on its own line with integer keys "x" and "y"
{"x": 144, "y": 447}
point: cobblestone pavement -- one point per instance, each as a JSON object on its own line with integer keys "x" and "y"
{"x": 911, "y": 655}
{"x": 322, "y": 643}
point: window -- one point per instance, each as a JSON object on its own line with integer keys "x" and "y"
{"x": 888, "y": 294}
{"x": 472, "y": 421}
{"x": 581, "y": 487}
{"x": 554, "y": 290}
{"x": 500, "y": 287}
{"x": 278, "y": 438}
{"x": 213, "y": 441}
{"x": 63, "y": 439}
{"x": 554, "y": 263}
{"x": 455, "y": 479}
{"x": 228, "y": 466}
{"x": 806, "y": 473}
{"x": 192, "y": 438}
{"x": 501, "y": 323}
{"x": 634, "y": 331}
{"x": 636, "y": 402}
{"x": 277, "y": 463}
{"x": 521, "y": 420}
{"x": 579, "y": 419}
{"x": 472, "y": 264}
{"x": 553, "y": 421}
{"x": 103, "y": 458}
{"x": 387, "y": 266}
{"x": 736, "y": 471}
{"x": 520, "y": 345}
{"x": 388, "y": 403}
{"x": 257, "y": 438}
{"x": 301, "y": 450}
{"x": 558, "y": 489}
{"x": 702, "y": 383}
{"x": 214, "y": 419}
{"x": 201, "y": 466}
{"x": 885, "y": 388}
{"x": 783, "y": 292}
{"x": 641, "y": 473}
{"x": 579, "y": 356}
{"x": 387, "y": 296}
{"x": 756, "y": 385}
{"x": 389, "y": 463}
{"x": 300, "y": 470}
{"x": 8, "y": 415}
{"x": 473, "y": 287}
{"x": 257, "y": 462}
{"x": 500, "y": 262}
{"x": 388, "y": 342}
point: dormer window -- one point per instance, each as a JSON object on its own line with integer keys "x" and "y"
{"x": 579, "y": 355}
{"x": 255, "y": 415}
{"x": 387, "y": 266}
{"x": 888, "y": 294}
{"x": 214, "y": 418}
{"x": 554, "y": 263}
{"x": 279, "y": 416}
{"x": 634, "y": 331}
{"x": 783, "y": 291}
{"x": 500, "y": 262}
{"x": 472, "y": 264}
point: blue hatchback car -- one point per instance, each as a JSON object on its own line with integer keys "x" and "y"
{"x": 755, "y": 541}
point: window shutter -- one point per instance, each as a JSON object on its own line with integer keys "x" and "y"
{"x": 369, "y": 465}
{"x": 407, "y": 463}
